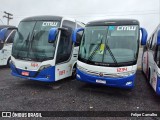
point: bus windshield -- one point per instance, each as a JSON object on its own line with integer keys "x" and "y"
{"x": 31, "y": 41}
{"x": 110, "y": 44}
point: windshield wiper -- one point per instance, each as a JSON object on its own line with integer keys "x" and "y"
{"x": 110, "y": 52}
{"x": 93, "y": 53}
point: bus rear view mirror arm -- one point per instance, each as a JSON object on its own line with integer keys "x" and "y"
{"x": 2, "y": 34}
{"x": 144, "y": 36}
{"x": 63, "y": 29}
{"x": 74, "y": 34}
{"x": 53, "y": 33}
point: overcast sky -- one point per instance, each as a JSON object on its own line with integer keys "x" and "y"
{"x": 146, "y": 11}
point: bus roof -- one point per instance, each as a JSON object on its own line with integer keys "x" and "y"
{"x": 113, "y": 22}
{"x": 6, "y": 26}
{"x": 43, "y": 17}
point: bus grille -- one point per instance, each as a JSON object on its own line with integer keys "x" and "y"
{"x": 100, "y": 74}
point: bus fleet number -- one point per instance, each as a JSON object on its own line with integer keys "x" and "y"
{"x": 121, "y": 69}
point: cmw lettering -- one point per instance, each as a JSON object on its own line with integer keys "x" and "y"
{"x": 129, "y": 28}
{"x": 49, "y": 24}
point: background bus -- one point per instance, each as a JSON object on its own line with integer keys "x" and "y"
{"x": 109, "y": 51}
{"x": 151, "y": 60}
{"x": 43, "y": 49}
{"x": 7, "y": 34}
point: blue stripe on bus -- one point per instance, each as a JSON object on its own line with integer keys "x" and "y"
{"x": 113, "y": 82}
{"x": 158, "y": 86}
{"x": 46, "y": 75}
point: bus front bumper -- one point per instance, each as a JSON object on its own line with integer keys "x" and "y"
{"x": 125, "y": 82}
{"x": 45, "y": 75}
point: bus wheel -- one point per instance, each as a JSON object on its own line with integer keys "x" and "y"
{"x": 74, "y": 72}
{"x": 8, "y": 62}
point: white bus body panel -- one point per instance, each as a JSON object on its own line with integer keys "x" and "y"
{"x": 105, "y": 70}
{"x": 149, "y": 65}
{"x": 5, "y": 54}
{"x": 23, "y": 64}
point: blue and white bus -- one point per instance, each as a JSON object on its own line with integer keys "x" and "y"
{"x": 7, "y": 34}
{"x": 109, "y": 51}
{"x": 43, "y": 49}
{"x": 151, "y": 60}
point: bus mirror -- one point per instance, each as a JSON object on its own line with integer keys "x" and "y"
{"x": 158, "y": 38}
{"x": 52, "y": 35}
{"x": 74, "y": 34}
{"x": 144, "y": 36}
{"x": 2, "y": 34}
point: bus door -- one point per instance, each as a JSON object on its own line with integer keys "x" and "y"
{"x": 145, "y": 59}
{"x": 64, "y": 62}
{"x": 155, "y": 68}
{"x": 153, "y": 61}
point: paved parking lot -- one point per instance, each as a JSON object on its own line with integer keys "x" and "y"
{"x": 71, "y": 95}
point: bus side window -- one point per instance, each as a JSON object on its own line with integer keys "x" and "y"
{"x": 11, "y": 37}
{"x": 148, "y": 43}
{"x": 154, "y": 45}
{"x": 146, "y": 47}
{"x": 65, "y": 42}
{"x": 151, "y": 42}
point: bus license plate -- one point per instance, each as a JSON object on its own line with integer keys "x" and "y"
{"x": 101, "y": 81}
{"x": 25, "y": 73}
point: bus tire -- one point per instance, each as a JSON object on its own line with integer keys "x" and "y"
{"x": 74, "y": 72}
{"x": 8, "y": 64}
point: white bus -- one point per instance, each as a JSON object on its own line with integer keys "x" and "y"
{"x": 151, "y": 60}
{"x": 43, "y": 49}
{"x": 7, "y": 34}
{"x": 109, "y": 51}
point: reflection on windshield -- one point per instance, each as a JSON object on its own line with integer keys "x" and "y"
{"x": 31, "y": 41}
{"x": 112, "y": 44}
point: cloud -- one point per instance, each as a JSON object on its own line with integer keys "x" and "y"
{"x": 146, "y": 11}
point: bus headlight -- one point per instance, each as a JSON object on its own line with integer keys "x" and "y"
{"x": 126, "y": 74}
{"x": 78, "y": 76}
{"x": 44, "y": 67}
{"x": 129, "y": 83}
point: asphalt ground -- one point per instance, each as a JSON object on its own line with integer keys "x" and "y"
{"x": 18, "y": 94}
